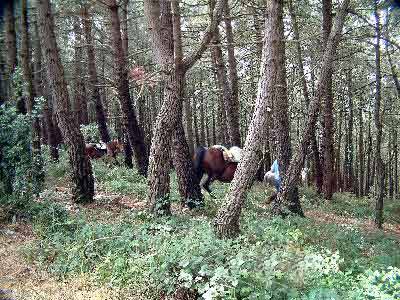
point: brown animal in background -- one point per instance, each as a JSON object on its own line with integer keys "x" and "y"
{"x": 211, "y": 162}
{"x": 94, "y": 151}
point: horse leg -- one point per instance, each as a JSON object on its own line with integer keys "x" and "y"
{"x": 206, "y": 185}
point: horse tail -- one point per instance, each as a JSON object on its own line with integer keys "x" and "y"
{"x": 198, "y": 161}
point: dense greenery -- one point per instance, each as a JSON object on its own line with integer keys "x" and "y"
{"x": 273, "y": 258}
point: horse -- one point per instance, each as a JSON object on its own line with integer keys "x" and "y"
{"x": 211, "y": 161}
{"x": 94, "y": 151}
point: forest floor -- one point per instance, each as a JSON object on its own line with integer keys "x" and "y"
{"x": 22, "y": 277}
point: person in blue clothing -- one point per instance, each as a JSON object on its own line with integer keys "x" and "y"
{"x": 272, "y": 176}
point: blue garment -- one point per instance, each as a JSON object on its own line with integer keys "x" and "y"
{"x": 275, "y": 170}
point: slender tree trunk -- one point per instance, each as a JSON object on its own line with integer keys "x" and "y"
{"x": 378, "y": 122}
{"x": 124, "y": 27}
{"x": 316, "y": 156}
{"x": 188, "y": 183}
{"x": 135, "y": 133}
{"x": 79, "y": 103}
{"x": 203, "y": 126}
{"x": 328, "y": 122}
{"x": 189, "y": 123}
{"x": 28, "y": 78}
{"x": 82, "y": 177}
{"x": 361, "y": 158}
{"x": 10, "y": 42}
{"x": 94, "y": 83}
{"x": 128, "y": 153}
{"x": 297, "y": 163}
{"x": 234, "y": 105}
{"x": 348, "y": 171}
{"x": 395, "y": 165}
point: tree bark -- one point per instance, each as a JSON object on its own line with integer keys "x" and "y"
{"x": 297, "y": 163}
{"x": 328, "y": 121}
{"x": 169, "y": 116}
{"x": 134, "y": 131}
{"x": 42, "y": 89}
{"x": 79, "y": 103}
{"x": 227, "y": 220}
{"x": 314, "y": 145}
{"x": 348, "y": 161}
{"x": 82, "y": 177}
{"x": 378, "y": 122}
{"x": 234, "y": 105}
{"x": 361, "y": 158}
{"x": 10, "y": 41}
{"x": 31, "y": 94}
{"x": 94, "y": 83}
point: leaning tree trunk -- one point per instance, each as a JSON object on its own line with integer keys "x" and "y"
{"x": 94, "y": 83}
{"x": 135, "y": 133}
{"x": 82, "y": 177}
{"x": 328, "y": 122}
{"x": 290, "y": 181}
{"x": 378, "y": 123}
{"x": 28, "y": 78}
{"x": 227, "y": 220}
{"x": 314, "y": 145}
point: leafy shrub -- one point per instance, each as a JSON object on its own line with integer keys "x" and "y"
{"x": 19, "y": 173}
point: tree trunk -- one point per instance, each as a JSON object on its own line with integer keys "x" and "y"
{"x": 169, "y": 116}
{"x": 378, "y": 122}
{"x": 124, "y": 28}
{"x": 79, "y": 103}
{"x": 228, "y": 109}
{"x": 348, "y": 171}
{"x": 94, "y": 83}
{"x": 328, "y": 122}
{"x": 361, "y": 158}
{"x": 10, "y": 42}
{"x": 395, "y": 165}
{"x": 189, "y": 124}
{"x": 234, "y": 105}
{"x": 203, "y": 107}
{"x": 28, "y": 78}
{"x": 316, "y": 156}
{"x": 128, "y": 153}
{"x": 135, "y": 133}
{"x": 227, "y": 220}
{"x": 82, "y": 178}
{"x": 42, "y": 89}
{"x": 297, "y": 163}
{"x": 188, "y": 183}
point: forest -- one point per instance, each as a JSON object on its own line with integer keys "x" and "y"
{"x": 209, "y": 149}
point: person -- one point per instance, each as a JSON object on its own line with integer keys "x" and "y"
{"x": 272, "y": 176}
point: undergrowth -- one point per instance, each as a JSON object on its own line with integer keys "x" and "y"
{"x": 273, "y": 258}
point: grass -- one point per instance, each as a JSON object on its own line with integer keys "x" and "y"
{"x": 326, "y": 255}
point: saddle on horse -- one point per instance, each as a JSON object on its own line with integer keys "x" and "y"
{"x": 234, "y": 154}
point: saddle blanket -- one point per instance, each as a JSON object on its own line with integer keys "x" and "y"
{"x": 234, "y": 154}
